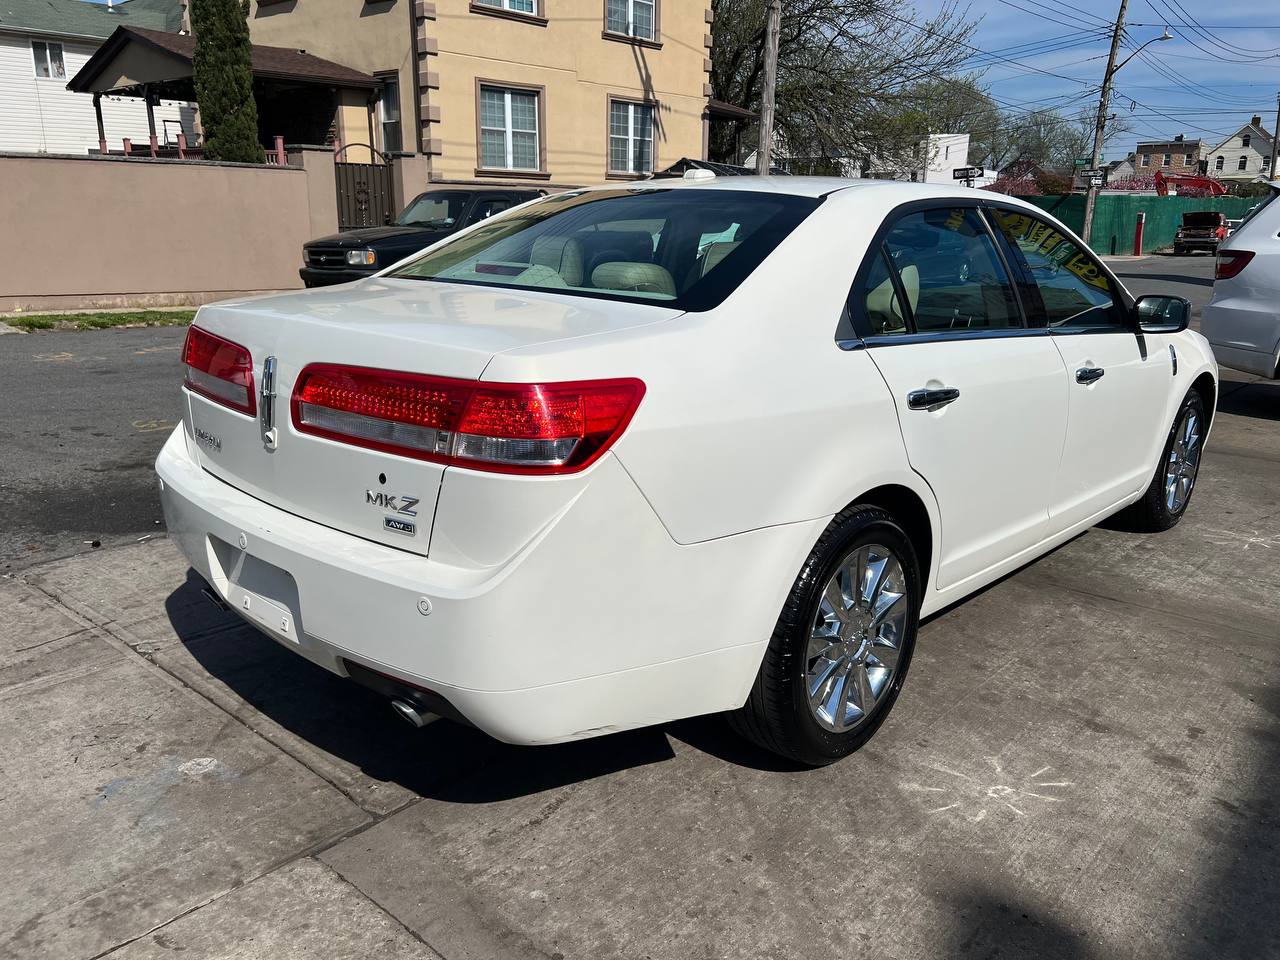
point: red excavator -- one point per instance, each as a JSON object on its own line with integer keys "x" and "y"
{"x": 1211, "y": 187}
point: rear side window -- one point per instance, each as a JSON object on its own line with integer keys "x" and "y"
{"x": 686, "y": 248}
{"x": 1075, "y": 292}
{"x": 950, "y": 272}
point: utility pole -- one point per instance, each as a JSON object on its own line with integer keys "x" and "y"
{"x": 1099, "y": 130}
{"x": 773, "y": 25}
{"x": 1275, "y": 142}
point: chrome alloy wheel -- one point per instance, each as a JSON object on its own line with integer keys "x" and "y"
{"x": 1184, "y": 462}
{"x": 856, "y": 638}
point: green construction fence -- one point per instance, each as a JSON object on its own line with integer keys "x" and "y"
{"x": 1116, "y": 215}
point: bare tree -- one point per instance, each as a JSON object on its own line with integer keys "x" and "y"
{"x": 846, "y": 74}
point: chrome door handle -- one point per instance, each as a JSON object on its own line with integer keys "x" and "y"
{"x": 1089, "y": 374}
{"x": 932, "y": 399}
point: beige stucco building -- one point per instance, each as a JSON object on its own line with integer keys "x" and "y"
{"x": 554, "y": 92}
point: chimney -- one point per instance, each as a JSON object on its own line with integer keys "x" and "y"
{"x": 1179, "y": 138}
{"x": 1256, "y": 121}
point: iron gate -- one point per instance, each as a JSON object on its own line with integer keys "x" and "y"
{"x": 364, "y": 194}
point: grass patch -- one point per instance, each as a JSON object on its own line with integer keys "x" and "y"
{"x": 101, "y": 321}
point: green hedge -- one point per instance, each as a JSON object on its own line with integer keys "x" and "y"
{"x": 1116, "y": 216}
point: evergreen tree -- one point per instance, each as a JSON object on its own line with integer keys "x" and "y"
{"x": 223, "y": 77}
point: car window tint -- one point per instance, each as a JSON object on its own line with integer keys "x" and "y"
{"x": 487, "y": 208}
{"x": 688, "y": 248}
{"x": 1075, "y": 291}
{"x": 951, "y": 272}
{"x": 881, "y": 302}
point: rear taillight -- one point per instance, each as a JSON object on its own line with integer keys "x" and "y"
{"x": 537, "y": 428}
{"x": 1231, "y": 262}
{"x": 220, "y": 370}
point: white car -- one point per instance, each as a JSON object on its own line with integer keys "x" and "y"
{"x": 1242, "y": 319}
{"x": 636, "y": 453}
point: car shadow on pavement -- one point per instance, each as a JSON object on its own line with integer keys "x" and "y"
{"x": 990, "y": 919}
{"x": 446, "y": 760}
{"x": 1258, "y": 399}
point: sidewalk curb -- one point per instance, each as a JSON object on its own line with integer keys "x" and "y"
{"x": 5, "y": 328}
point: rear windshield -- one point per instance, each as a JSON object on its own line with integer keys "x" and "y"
{"x": 684, "y": 248}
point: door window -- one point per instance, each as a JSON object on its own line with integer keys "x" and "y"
{"x": 951, "y": 271}
{"x": 1075, "y": 293}
{"x": 485, "y": 209}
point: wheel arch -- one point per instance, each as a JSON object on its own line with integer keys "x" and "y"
{"x": 1207, "y": 387}
{"x": 909, "y": 509}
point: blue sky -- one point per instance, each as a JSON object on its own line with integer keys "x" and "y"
{"x": 1203, "y": 83}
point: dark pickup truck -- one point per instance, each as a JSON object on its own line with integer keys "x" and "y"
{"x": 431, "y": 216}
{"x": 1200, "y": 230}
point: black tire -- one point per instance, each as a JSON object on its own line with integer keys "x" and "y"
{"x": 777, "y": 715}
{"x": 1152, "y": 514}
{"x": 1179, "y": 251}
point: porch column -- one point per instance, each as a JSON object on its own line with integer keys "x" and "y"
{"x": 102, "y": 134}
{"x": 151, "y": 118}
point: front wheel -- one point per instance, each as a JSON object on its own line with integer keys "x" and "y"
{"x": 840, "y": 650}
{"x": 1169, "y": 493}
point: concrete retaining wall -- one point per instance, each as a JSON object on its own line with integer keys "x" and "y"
{"x": 79, "y": 232}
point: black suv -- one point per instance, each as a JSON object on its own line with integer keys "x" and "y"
{"x": 431, "y": 216}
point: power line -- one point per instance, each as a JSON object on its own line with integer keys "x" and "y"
{"x": 1200, "y": 28}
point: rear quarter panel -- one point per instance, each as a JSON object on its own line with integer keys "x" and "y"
{"x": 752, "y": 416}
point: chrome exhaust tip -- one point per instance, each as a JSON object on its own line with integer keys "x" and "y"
{"x": 411, "y": 714}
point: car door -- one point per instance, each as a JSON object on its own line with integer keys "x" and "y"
{"x": 981, "y": 399}
{"x": 1118, "y": 387}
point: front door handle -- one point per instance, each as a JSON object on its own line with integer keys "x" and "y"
{"x": 1089, "y": 374}
{"x": 932, "y": 399}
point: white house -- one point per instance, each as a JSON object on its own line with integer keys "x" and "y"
{"x": 42, "y": 46}
{"x": 1245, "y": 155}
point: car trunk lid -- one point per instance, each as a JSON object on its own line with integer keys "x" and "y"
{"x": 446, "y": 330}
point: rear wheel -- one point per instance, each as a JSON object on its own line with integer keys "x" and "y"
{"x": 1170, "y": 490}
{"x": 840, "y": 651}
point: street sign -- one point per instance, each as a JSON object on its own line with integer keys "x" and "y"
{"x": 966, "y": 173}
{"x": 1094, "y": 172}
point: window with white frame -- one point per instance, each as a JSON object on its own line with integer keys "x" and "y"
{"x": 632, "y": 18}
{"x": 1190, "y": 159}
{"x": 1168, "y": 159}
{"x": 516, "y": 6}
{"x": 1146, "y": 160}
{"x": 1246, "y": 139}
{"x": 49, "y": 64}
{"x": 1219, "y": 163}
{"x": 1266, "y": 163}
{"x": 1243, "y": 163}
{"x": 389, "y": 113}
{"x": 509, "y": 129}
{"x": 630, "y": 137}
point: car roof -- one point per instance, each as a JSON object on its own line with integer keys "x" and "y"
{"x": 809, "y": 186}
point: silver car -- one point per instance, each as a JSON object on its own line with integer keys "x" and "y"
{"x": 1242, "y": 320}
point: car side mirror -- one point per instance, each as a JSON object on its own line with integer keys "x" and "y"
{"x": 1161, "y": 314}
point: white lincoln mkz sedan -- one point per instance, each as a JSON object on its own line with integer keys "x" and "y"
{"x": 630, "y": 454}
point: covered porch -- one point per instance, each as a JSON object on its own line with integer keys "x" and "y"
{"x": 300, "y": 98}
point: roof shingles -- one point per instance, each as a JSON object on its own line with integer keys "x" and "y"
{"x": 79, "y": 18}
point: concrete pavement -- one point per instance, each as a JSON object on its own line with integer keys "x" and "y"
{"x": 1084, "y": 763}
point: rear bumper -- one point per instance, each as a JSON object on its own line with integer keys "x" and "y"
{"x": 1198, "y": 243}
{"x": 602, "y": 623}
{"x": 312, "y": 277}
